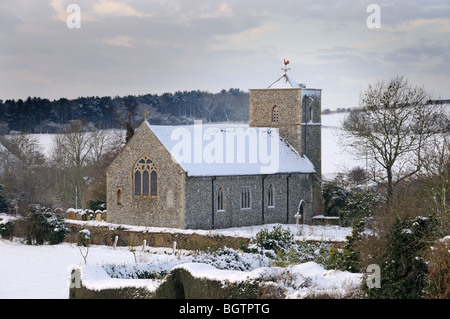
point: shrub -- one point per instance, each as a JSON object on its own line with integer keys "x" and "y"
{"x": 224, "y": 258}
{"x": 136, "y": 271}
{"x": 3, "y": 202}
{"x": 302, "y": 253}
{"x": 279, "y": 245}
{"x": 273, "y": 241}
{"x": 57, "y": 229}
{"x": 438, "y": 267}
{"x": 334, "y": 198}
{"x": 348, "y": 257}
{"x": 84, "y": 238}
{"x": 404, "y": 270}
{"x": 40, "y": 225}
{"x": 96, "y": 205}
{"x": 6, "y": 230}
{"x": 357, "y": 206}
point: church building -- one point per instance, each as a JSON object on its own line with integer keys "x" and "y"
{"x": 206, "y": 176}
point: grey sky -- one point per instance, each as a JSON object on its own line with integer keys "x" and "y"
{"x": 138, "y": 47}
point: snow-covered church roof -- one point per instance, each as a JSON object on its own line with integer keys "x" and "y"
{"x": 225, "y": 149}
{"x": 285, "y": 82}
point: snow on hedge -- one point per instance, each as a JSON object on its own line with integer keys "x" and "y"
{"x": 299, "y": 281}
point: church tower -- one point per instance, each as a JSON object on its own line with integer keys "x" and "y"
{"x": 295, "y": 110}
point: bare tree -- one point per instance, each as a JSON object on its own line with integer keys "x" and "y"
{"x": 105, "y": 147}
{"x": 392, "y": 127}
{"x": 71, "y": 154}
{"x": 208, "y": 106}
{"x": 21, "y": 165}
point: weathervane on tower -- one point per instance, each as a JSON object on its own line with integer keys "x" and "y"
{"x": 285, "y": 69}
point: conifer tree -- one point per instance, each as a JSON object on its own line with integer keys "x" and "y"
{"x": 404, "y": 270}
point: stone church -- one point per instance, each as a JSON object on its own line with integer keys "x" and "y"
{"x": 207, "y": 176}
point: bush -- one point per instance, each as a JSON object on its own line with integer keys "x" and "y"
{"x": 273, "y": 241}
{"x": 6, "y": 230}
{"x": 84, "y": 238}
{"x": 40, "y": 225}
{"x": 136, "y": 271}
{"x": 224, "y": 258}
{"x": 57, "y": 229}
{"x": 334, "y": 198}
{"x": 3, "y": 202}
{"x": 404, "y": 270}
{"x": 302, "y": 253}
{"x": 96, "y": 205}
{"x": 348, "y": 257}
{"x": 357, "y": 206}
{"x": 279, "y": 245}
{"x": 438, "y": 267}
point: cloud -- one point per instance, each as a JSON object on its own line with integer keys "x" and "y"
{"x": 98, "y": 10}
{"x": 222, "y": 10}
{"x": 374, "y": 42}
{"x": 121, "y": 41}
{"x": 142, "y": 46}
{"x": 438, "y": 24}
{"x": 117, "y": 9}
{"x": 241, "y": 39}
{"x": 60, "y": 9}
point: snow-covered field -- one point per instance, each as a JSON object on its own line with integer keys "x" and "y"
{"x": 44, "y": 271}
{"x": 335, "y": 158}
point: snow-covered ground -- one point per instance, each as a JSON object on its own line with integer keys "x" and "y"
{"x": 335, "y": 158}
{"x": 44, "y": 271}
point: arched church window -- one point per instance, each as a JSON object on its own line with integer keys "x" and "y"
{"x": 245, "y": 198}
{"x": 220, "y": 196}
{"x": 275, "y": 114}
{"x": 270, "y": 201}
{"x": 119, "y": 197}
{"x": 145, "y": 177}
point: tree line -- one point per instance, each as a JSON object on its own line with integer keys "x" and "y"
{"x": 41, "y": 115}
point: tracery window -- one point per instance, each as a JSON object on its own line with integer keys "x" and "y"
{"x": 145, "y": 178}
